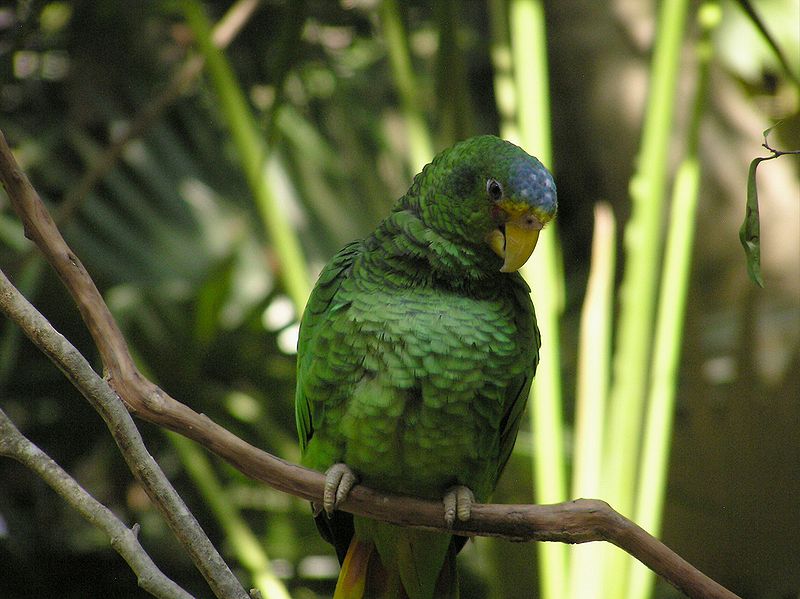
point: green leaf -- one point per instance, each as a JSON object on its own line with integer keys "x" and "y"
{"x": 749, "y": 233}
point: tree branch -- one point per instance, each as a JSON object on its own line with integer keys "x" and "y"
{"x": 15, "y": 445}
{"x": 579, "y": 521}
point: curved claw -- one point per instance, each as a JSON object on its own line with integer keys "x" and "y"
{"x": 339, "y": 479}
{"x": 457, "y": 501}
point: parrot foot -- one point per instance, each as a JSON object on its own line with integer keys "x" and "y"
{"x": 457, "y": 501}
{"x": 339, "y": 479}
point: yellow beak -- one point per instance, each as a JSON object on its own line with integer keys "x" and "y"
{"x": 515, "y": 245}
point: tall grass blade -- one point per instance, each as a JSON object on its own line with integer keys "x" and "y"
{"x": 643, "y": 236}
{"x": 252, "y": 153}
{"x": 669, "y": 321}
{"x": 594, "y": 371}
{"x": 529, "y": 54}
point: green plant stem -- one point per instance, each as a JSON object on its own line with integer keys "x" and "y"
{"x": 248, "y": 550}
{"x": 529, "y": 53}
{"x": 666, "y": 355}
{"x": 594, "y": 369}
{"x": 643, "y": 236}
{"x": 669, "y": 321}
{"x": 419, "y": 137}
{"x": 252, "y": 153}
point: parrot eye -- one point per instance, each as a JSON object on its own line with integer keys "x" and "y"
{"x": 494, "y": 189}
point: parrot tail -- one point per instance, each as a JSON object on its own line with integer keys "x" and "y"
{"x": 364, "y": 576}
{"x": 353, "y": 575}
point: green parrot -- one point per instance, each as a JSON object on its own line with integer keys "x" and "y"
{"x": 415, "y": 358}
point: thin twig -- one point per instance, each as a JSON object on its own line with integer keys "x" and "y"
{"x": 776, "y": 153}
{"x": 15, "y": 445}
{"x": 571, "y": 522}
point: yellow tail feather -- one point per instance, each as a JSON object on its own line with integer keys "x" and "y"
{"x": 364, "y": 575}
{"x": 353, "y": 577}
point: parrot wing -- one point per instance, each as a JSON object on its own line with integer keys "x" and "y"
{"x": 320, "y": 304}
{"x": 338, "y": 529}
{"x": 518, "y": 392}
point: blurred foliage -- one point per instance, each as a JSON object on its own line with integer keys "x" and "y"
{"x": 176, "y": 243}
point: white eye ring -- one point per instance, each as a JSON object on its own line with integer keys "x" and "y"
{"x": 494, "y": 189}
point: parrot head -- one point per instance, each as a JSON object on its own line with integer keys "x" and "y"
{"x": 487, "y": 192}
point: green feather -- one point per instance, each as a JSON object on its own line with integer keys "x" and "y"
{"x": 416, "y": 355}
